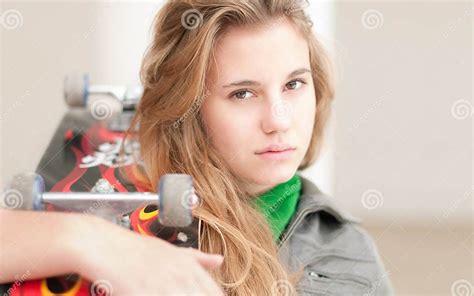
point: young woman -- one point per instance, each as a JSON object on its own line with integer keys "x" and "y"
{"x": 226, "y": 82}
{"x": 237, "y": 94}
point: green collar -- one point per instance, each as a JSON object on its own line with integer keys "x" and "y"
{"x": 279, "y": 204}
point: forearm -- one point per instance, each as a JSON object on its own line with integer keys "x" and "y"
{"x": 36, "y": 244}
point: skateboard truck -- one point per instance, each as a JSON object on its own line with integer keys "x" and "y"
{"x": 175, "y": 199}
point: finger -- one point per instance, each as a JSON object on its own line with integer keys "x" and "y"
{"x": 208, "y": 261}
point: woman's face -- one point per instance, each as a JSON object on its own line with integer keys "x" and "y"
{"x": 261, "y": 93}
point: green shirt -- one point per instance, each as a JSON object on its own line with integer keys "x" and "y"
{"x": 279, "y": 204}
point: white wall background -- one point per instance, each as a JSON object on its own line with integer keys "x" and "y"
{"x": 404, "y": 111}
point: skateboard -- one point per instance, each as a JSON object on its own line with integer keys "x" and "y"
{"x": 82, "y": 171}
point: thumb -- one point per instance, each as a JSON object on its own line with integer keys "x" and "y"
{"x": 208, "y": 261}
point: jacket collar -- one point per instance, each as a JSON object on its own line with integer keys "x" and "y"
{"x": 313, "y": 198}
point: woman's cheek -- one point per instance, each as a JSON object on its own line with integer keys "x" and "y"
{"x": 305, "y": 107}
{"x": 229, "y": 130}
{"x": 305, "y": 116}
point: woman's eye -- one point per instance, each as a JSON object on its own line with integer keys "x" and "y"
{"x": 241, "y": 95}
{"x": 245, "y": 93}
{"x": 292, "y": 85}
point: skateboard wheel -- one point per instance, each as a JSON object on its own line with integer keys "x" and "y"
{"x": 24, "y": 192}
{"x": 176, "y": 195}
{"x": 76, "y": 90}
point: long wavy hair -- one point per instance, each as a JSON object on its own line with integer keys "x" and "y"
{"x": 172, "y": 137}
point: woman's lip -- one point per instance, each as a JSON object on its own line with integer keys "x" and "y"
{"x": 278, "y": 155}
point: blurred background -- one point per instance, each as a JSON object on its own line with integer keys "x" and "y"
{"x": 399, "y": 148}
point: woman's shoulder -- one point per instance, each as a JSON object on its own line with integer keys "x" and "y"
{"x": 337, "y": 253}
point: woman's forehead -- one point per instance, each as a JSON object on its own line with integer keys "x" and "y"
{"x": 249, "y": 52}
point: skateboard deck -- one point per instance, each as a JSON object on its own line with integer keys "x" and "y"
{"x": 82, "y": 151}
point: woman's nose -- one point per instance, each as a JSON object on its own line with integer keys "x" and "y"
{"x": 277, "y": 115}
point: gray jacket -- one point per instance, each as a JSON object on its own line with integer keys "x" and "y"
{"x": 339, "y": 257}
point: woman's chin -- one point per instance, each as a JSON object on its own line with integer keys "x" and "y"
{"x": 271, "y": 177}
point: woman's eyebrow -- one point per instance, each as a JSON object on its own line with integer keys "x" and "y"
{"x": 256, "y": 83}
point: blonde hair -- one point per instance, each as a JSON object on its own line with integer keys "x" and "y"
{"x": 173, "y": 140}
